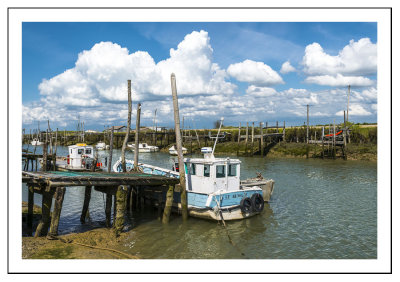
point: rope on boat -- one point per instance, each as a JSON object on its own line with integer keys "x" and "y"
{"x": 69, "y": 241}
{"x": 226, "y": 228}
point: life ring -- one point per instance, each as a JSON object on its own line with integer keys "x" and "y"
{"x": 257, "y": 202}
{"x": 246, "y": 205}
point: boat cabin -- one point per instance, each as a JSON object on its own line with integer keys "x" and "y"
{"x": 211, "y": 174}
{"x": 79, "y": 155}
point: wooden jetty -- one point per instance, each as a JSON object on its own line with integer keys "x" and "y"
{"x": 128, "y": 190}
{"x": 264, "y": 135}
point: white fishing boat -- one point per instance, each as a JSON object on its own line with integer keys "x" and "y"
{"x": 143, "y": 148}
{"x": 101, "y": 146}
{"x": 36, "y": 142}
{"x": 214, "y": 189}
{"x": 81, "y": 157}
{"x": 173, "y": 152}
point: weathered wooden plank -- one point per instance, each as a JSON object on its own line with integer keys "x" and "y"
{"x": 86, "y": 201}
{"x": 120, "y": 209}
{"x": 44, "y": 223}
{"x": 55, "y": 218}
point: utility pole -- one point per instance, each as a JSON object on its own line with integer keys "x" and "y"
{"x": 348, "y": 100}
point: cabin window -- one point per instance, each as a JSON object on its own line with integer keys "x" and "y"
{"x": 232, "y": 171}
{"x": 207, "y": 170}
{"x": 186, "y": 169}
{"x": 88, "y": 151}
{"x": 193, "y": 169}
{"x": 80, "y": 151}
{"x": 199, "y": 169}
{"x": 220, "y": 171}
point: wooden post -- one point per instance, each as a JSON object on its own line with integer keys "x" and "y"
{"x": 284, "y": 131}
{"x": 344, "y": 129}
{"x": 308, "y": 110}
{"x": 128, "y": 128}
{"x": 323, "y": 141}
{"x": 128, "y": 199}
{"x": 136, "y": 157}
{"x": 44, "y": 166}
{"x": 179, "y": 149}
{"x": 111, "y": 149}
{"x": 238, "y": 146}
{"x": 55, "y": 217}
{"x": 44, "y": 223}
{"x": 252, "y": 139}
{"x": 262, "y": 140}
{"x": 85, "y": 208}
{"x": 120, "y": 209}
{"x": 29, "y": 218}
{"x": 334, "y": 139}
{"x": 108, "y": 210}
{"x": 168, "y": 204}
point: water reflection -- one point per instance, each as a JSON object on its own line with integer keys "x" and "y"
{"x": 319, "y": 209}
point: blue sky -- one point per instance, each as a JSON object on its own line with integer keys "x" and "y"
{"x": 233, "y": 70}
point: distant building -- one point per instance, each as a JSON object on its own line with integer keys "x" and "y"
{"x": 91, "y": 131}
{"x": 117, "y": 128}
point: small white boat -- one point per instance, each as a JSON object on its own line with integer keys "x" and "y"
{"x": 173, "y": 152}
{"x": 36, "y": 142}
{"x": 80, "y": 158}
{"x": 143, "y": 148}
{"x": 101, "y": 146}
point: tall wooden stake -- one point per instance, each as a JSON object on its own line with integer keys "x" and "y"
{"x": 55, "y": 217}
{"x": 128, "y": 129}
{"x": 136, "y": 157}
{"x": 111, "y": 149}
{"x": 262, "y": 140}
{"x": 179, "y": 149}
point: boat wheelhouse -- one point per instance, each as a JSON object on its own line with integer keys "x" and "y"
{"x": 80, "y": 157}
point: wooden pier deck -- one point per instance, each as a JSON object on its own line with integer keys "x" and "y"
{"x": 123, "y": 187}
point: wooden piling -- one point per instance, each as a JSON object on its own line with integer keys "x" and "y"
{"x": 44, "y": 165}
{"x": 179, "y": 149}
{"x": 168, "y": 204}
{"x": 108, "y": 210}
{"x": 252, "y": 139}
{"x": 136, "y": 157}
{"x": 128, "y": 128}
{"x": 111, "y": 149}
{"x": 238, "y": 145}
{"x": 261, "y": 140}
{"x": 44, "y": 223}
{"x": 86, "y": 201}
{"x": 120, "y": 209}
{"x": 55, "y": 218}
{"x": 29, "y": 219}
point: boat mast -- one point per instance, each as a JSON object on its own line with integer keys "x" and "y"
{"x": 216, "y": 139}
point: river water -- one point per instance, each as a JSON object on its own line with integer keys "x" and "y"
{"x": 320, "y": 209}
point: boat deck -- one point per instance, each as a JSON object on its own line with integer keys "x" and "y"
{"x": 72, "y": 178}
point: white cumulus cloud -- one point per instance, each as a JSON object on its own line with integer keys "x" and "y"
{"x": 339, "y": 80}
{"x": 100, "y": 74}
{"x": 260, "y": 91}
{"x": 287, "y": 67}
{"x": 256, "y": 73}
{"x": 357, "y": 58}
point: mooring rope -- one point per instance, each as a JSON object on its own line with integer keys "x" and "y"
{"x": 226, "y": 228}
{"x": 69, "y": 241}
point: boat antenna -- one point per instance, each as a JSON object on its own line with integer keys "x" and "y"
{"x": 216, "y": 139}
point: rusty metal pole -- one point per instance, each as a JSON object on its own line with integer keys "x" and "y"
{"x": 179, "y": 149}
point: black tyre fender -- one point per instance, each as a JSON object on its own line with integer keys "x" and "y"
{"x": 257, "y": 202}
{"x": 246, "y": 205}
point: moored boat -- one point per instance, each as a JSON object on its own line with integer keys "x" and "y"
{"x": 81, "y": 157}
{"x": 173, "y": 152}
{"x": 101, "y": 146}
{"x": 36, "y": 142}
{"x": 143, "y": 148}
